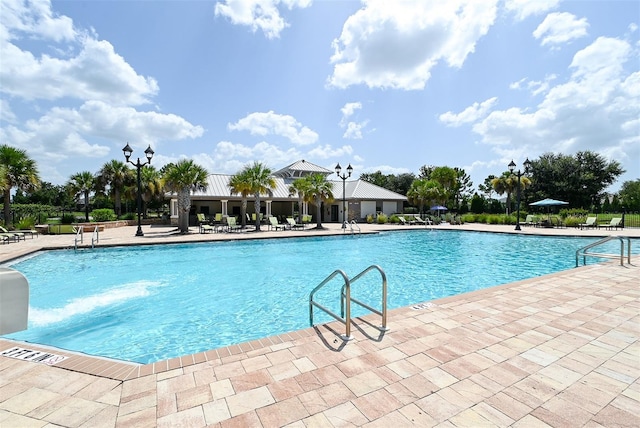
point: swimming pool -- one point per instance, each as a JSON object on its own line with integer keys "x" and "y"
{"x": 151, "y": 303}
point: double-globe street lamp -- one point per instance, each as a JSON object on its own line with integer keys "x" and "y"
{"x": 512, "y": 166}
{"x": 344, "y": 179}
{"x": 149, "y": 154}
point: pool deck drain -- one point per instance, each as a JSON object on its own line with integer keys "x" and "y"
{"x": 556, "y": 350}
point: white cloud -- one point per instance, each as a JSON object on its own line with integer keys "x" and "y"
{"x": 259, "y": 14}
{"x": 353, "y": 129}
{"x": 395, "y": 44}
{"x": 349, "y": 109}
{"x": 228, "y": 157}
{"x": 385, "y": 169}
{"x": 596, "y": 109}
{"x": 262, "y": 124}
{"x": 326, "y": 152}
{"x": 470, "y": 114}
{"x": 560, "y": 27}
{"x": 96, "y": 73}
{"x": 62, "y": 133}
{"x": 535, "y": 86}
{"x": 525, "y": 8}
{"x": 35, "y": 19}
{"x": 6, "y": 113}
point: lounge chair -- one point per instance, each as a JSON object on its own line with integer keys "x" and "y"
{"x": 5, "y": 238}
{"x": 590, "y": 222}
{"x": 17, "y": 235}
{"x": 530, "y": 220}
{"x": 418, "y": 220}
{"x": 402, "y": 220}
{"x": 293, "y": 224}
{"x": 614, "y": 223}
{"x": 232, "y": 226}
{"x": 204, "y": 226}
{"x": 273, "y": 224}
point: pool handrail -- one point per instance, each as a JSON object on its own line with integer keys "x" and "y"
{"x": 343, "y": 318}
{"x": 383, "y": 311}
{"x": 584, "y": 249}
{"x": 346, "y": 300}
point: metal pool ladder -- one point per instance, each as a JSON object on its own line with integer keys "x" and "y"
{"x": 95, "y": 236}
{"x": 352, "y": 226}
{"x": 583, "y": 251}
{"x": 346, "y": 300}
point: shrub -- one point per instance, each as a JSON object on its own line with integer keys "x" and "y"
{"x": 382, "y": 218}
{"x": 128, "y": 216}
{"x": 369, "y": 218}
{"x": 68, "y": 219}
{"x": 103, "y": 214}
{"x": 573, "y": 221}
{"x": 26, "y": 223}
{"x": 576, "y": 212}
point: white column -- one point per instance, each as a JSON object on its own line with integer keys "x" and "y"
{"x": 224, "y": 207}
{"x": 268, "y": 214}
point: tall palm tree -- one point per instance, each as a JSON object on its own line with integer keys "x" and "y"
{"x": 115, "y": 174}
{"x": 18, "y": 170}
{"x": 239, "y": 183}
{"x": 81, "y": 184}
{"x": 424, "y": 191}
{"x": 319, "y": 190}
{"x": 508, "y": 183}
{"x": 299, "y": 187}
{"x": 260, "y": 181}
{"x": 183, "y": 177}
{"x": 151, "y": 186}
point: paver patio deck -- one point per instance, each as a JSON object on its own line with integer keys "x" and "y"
{"x": 556, "y": 350}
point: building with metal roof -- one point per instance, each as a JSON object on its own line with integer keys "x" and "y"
{"x": 360, "y": 198}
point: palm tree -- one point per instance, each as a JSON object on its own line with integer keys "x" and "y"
{"x": 18, "y": 170}
{"x": 81, "y": 184}
{"x": 151, "y": 186}
{"x": 239, "y": 183}
{"x": 423, "y": 191}
{"x": 299, "y": 187}
{"x": 508, "y": 183}
{"x": 260, "y": 181}
{"x": 183, "y": 177}
{"x": 319, "y": 190}
{"x": 115, "y": 174}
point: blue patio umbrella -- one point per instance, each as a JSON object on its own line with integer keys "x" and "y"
{"x": 438, "y": 208}
{"x": 548, "y": 203}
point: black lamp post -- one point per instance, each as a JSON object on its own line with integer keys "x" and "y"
{"x": 344, "y": 179}
{"x": 149, "y": 154}
{"x": 512, "y": 166}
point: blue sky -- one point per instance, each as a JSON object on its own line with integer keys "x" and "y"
{"x": 382, "y": 85}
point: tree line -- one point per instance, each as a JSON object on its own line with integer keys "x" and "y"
{"x": 581, "y": 180}
{"x": 116, "y": 181}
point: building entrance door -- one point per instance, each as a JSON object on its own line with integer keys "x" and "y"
{"x": 334, "y": 213}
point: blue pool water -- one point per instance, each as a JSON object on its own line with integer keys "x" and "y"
{"x": 151, "y": 303}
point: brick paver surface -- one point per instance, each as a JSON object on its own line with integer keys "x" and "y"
{"x": 557, "y": 350}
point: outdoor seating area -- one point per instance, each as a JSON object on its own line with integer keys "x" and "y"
{"x": 614, "y": 223}
{"x": 7, "y": 237}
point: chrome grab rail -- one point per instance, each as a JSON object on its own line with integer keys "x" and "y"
{"x": 346, "y": 320}
{"x": 79, "y": 232}
{"x": 383, "y": 311}
{"x": 346, "y": 299}
{"x": 584, "y": 249}
{"x": 95, "y": 236}
{"x": 351, "y": 226}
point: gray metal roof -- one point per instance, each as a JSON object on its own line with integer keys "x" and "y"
{"x": 218, "y": 188}
{"x": 300, "y": 169}
{"x": 363, "y": 190}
